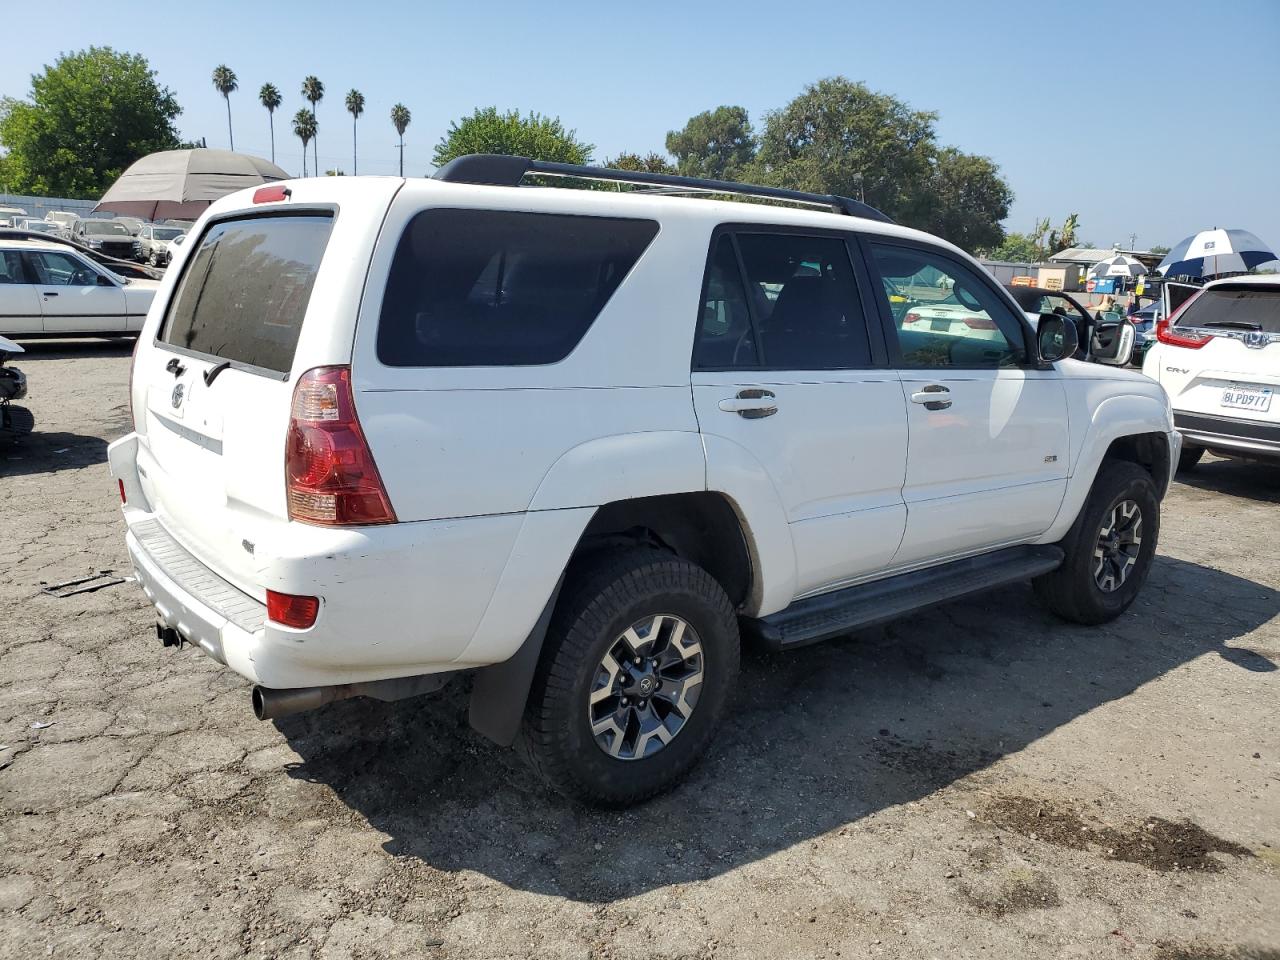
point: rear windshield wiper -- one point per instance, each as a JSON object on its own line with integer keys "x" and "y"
{"x": 1233, "y": 324}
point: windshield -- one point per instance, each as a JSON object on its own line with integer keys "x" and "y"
{"x": 1239, "y": 306}
{"x": 165, "y": 233}
{"x": 106, "y": 229}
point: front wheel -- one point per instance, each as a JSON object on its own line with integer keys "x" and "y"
{"x": 635, "y": 675}
{"x": 1109, "y": 548}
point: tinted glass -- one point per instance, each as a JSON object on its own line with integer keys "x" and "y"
{"x": 11, "y": 267}
{"x": 1239, "y": 308}
{"x": 944, "y": 315}
{"x": 498, "y": 288}
{"x": 808, "y": 314}
{"x": 60, "y": 269}
{"x": 246, "y": 287}
{"x": 725, "y": 336}
{"x": 106, "y": 229}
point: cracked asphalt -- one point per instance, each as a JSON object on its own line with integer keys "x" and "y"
{"x": 977, "y": 781}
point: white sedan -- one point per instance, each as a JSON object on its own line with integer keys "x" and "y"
{"x": 51, "y": 289}
{"x": 951, "y": 319}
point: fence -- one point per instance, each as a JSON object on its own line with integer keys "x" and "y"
{"x": 39, "y": 206}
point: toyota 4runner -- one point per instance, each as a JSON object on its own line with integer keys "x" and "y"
{"x": 575, "y": 443}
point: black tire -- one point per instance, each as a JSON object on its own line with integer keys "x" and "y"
{"x": 1189, "y": 457}
{"x": 1072, "y": 591}
{"x": 604, "y": 595}
{"x": 16, "y": 421}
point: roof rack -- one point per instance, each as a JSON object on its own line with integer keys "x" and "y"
{"x": 502, "y": 171}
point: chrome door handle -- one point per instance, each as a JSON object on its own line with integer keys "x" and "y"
{"x": 751, "y": 404}
{"x": 934, "y": 397}
{"x": 48, "y": 293}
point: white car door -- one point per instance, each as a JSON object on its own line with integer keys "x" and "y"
{"x": 785, "y": 368}
{"x": 988, "y": 443}
{"x": 74, "y": 296}
{"x": 19, "y": 305}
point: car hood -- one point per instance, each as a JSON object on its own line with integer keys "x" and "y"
{"x": 1088, "y": 370}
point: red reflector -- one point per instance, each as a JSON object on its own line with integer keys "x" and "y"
{"x": 291, "y": 611}
{"x": 123, "y": 499}
{"x": 911, "y": 318}
{"x": 979, "y": 323}
{"x": 271, "y": 194}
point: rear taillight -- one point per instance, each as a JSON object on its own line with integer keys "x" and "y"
{"x": 271, "y": 194}
{"x": 123, "y": 498}
{"x": 330, "y": 476}
{"x": 978, "y": 323}
{"x": 911, "y": 317}
{"x": 291, "y": 611}
{"x": 1192, "y": 341}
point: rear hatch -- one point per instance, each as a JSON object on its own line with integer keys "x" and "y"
{"x": 262, "y": 295}
{"x": 1221, "y": 356}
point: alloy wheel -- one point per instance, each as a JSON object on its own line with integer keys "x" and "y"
{"x": 1119, "y": 542}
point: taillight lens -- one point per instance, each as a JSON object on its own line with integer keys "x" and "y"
{"x": 979, "y": 323}
{"x": 123, "y": 498}
{"x": 1191, "y": 340}
{"x": 292, "y": 611}
{"x": 330, "y": 476}
{"x": 911, "y": 317}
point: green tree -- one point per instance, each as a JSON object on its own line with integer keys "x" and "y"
{"x": 649, "y": 163}
{"x": 304, "y": 128}
{"x": 1015, "y": 248}
{"x": 717, "y": 144}
{"x": 967, "y": 200}
{"x": 533, "y": 136}
{"x": 90, "y": 115}
{"x": 1159, "y": 249}
{"x": 224, "y": 81}
{"x": 355, "y": 107}
{"x": 270, "y": 97}
{"x": 400, "y": 118}
{"x": 313, "y": 93}
{"x": 841, "y": 137}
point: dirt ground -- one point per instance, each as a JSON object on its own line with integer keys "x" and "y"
{"x": 978, "y": 781}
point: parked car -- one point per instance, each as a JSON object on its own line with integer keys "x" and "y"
{"x": 171, "y": 247}
{"x": 66, "y": 222}
{"x": 49, "y": 289}
{"x": 132, "y": 224}
{"x": 106, "y": 235}
{"x": 11, "y": 215}
{"x": 153, "y": 243}
{"x": 568, "y": 443}
{"x": 1144, "y": 323}
{"x": 1218, "y": 356}
{"x": 37, "y": 226}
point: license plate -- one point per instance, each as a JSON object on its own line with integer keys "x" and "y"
{"x": 940, "y": 325}
{"x": 1247, "y": 398}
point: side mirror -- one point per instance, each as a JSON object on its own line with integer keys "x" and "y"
{"x": 1056, "y": 337}
{"x": 1112, "y": 342}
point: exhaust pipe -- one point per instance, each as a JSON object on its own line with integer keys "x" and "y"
{"x": 268, "y": 704}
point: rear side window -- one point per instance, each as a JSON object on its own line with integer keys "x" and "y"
{"x": 1234, "y": 308}
{"x": 499, "y": 288}
{"x": 246, "y": 287}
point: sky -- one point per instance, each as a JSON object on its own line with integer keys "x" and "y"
{"x": 1154, "y": 119}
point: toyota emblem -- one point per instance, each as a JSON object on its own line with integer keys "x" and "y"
{"x": 176, "y": 397}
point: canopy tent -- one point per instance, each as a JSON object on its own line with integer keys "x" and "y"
{"x": 1118, "y": 266}
{"x": 1211, "y": 253}
{"x": 180, "y": 184}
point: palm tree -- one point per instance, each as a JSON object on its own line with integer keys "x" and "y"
{"x": 313, "y": 90}
{"x": 355, "y": 106}
{"x": 224, "y": 81}
{"x": 304, "y": 128}
{"x": 270, "y": 97}
{"x": 400, "y": 118}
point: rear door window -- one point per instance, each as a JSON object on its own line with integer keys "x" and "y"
{"x": 501, "y": 288}
{"x": 245, "y": 289}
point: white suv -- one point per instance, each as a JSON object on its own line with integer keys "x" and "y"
{"x": 1219, "y": 358}
{"x": 574, "y": 442}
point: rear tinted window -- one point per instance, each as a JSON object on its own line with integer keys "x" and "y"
{"x": 498, "y": 288}
{"x": 1239, "y": 308}
{"x": 245, "y": 289}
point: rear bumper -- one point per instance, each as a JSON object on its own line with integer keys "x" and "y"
{"x": 399, "y": 600}
{"x": 1231, "y": 434}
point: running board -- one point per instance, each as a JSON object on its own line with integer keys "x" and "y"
{"x": 867, "y": 604}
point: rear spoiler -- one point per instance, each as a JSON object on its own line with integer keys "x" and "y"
{"x": 125, "y": 268}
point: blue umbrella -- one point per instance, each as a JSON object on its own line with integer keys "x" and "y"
{"x": 1210, "y": 253}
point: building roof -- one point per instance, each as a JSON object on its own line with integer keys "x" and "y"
{"x": 1092, "y": 255}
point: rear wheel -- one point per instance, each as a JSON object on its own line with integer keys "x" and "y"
{"x": 1109, "y": 548}
{"x": 15, "y": 421}
{"x": 1189, "y": 456}
{"x": 635, "y": 675}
